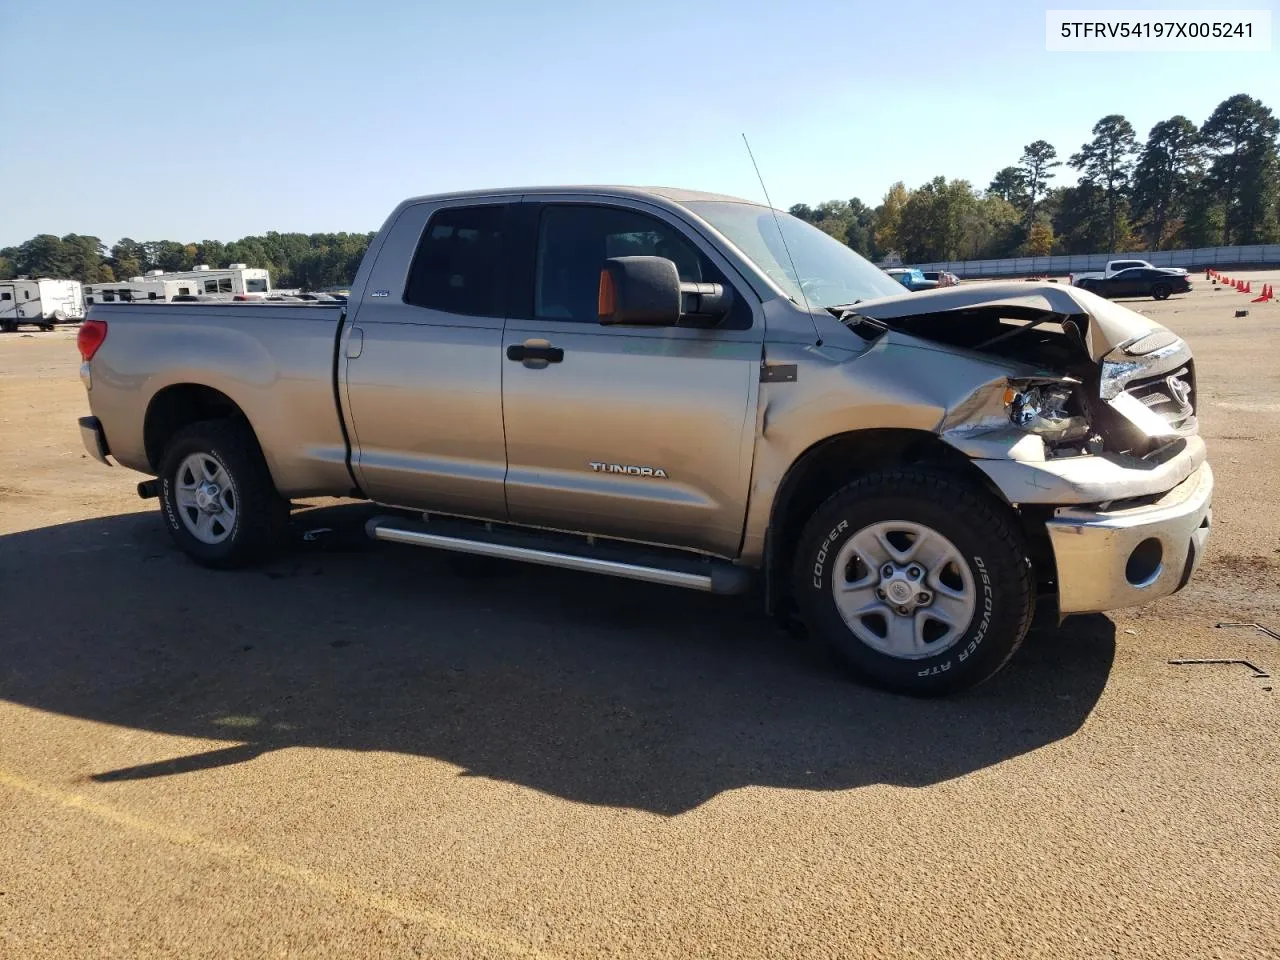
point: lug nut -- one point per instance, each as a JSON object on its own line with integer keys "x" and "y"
{"x": 880, "y": 594}
{"x": 922, "y": 597}
{"x": 886, "y": 570}
{"x": 914, "y": 573}
{"x": 903, "y": 610}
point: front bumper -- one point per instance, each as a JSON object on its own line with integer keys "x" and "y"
{"x": 94, "y": 439}
{"x": 1131, "y": 555}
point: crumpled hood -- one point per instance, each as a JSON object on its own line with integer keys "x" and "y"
{"x": 1109, "y": 324}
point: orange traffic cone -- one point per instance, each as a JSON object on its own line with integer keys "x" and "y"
{"x": 1248, "y": 287}
{"x": 1266, "y": 294}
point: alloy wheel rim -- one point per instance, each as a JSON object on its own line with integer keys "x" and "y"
{"x": 205, "y": 498}
{"x": 904, "y": 589}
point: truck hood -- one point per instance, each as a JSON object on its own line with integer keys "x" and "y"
{"x": 1108, "y": 325}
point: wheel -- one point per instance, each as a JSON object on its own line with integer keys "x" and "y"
{"x": 217, "y": 495}
{"x": 59, "y": 316}
{"x": 1161, "y": 291}
{"x": 9, "y": 326}
{"x": 920, "y": 580}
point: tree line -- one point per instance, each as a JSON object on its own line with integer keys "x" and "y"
{"x": 310, "y": 261}
{"x": 1184, "y": 186}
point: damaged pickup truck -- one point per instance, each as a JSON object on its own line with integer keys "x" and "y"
{"x": 691, "y": 390}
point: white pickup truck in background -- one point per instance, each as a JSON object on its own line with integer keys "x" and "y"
{"x": 1115, "y": 266}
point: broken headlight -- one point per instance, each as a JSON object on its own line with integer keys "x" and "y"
{"x": 1046, "y": 408}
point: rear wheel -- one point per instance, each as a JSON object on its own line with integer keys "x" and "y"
{"x": 217, "y": 495}
{"x": 1161, "y": 291}
{"x": 920, "y": 581}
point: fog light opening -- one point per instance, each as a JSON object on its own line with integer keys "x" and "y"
{"x": 1144, "y": 564}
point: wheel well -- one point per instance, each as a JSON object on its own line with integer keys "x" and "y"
{"x": 179, "y": 405}
{"x": 830, "y": 464}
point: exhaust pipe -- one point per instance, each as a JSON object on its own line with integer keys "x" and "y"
{"x": 149, "y": 489}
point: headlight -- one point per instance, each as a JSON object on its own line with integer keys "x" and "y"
{"x": 1044, "y": 408}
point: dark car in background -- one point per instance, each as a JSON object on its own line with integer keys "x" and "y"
{"x": 1138, "y": 282}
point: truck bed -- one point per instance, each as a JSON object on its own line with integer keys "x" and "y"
{"x": 274, "y": 361}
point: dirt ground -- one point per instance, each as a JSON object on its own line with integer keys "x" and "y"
{"x": 376, "y": 751}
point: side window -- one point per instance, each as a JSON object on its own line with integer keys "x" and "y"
{"x": 5, "y": 296}
{"x": 184, "y": 291}
{"x": 26, "y": 294}
{"x": 211, "y": 286}
{"x": 459, "y": 266}
{"x": 224, "y": 285}
{"x": 575, "y": 240}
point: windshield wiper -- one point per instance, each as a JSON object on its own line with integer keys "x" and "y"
{"x": 839, "y": 309}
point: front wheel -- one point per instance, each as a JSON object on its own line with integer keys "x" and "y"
{"x": 918, "y": 579}
{"x": 217, "y": 495}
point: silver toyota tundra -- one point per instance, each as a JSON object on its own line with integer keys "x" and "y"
{"x": 692, "y": 390}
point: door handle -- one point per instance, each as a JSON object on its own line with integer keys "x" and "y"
{"x": 535, "y": 354}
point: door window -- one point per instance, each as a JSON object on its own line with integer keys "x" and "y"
{"x": 458, "y": 266}
{"x": 575, "y": 240}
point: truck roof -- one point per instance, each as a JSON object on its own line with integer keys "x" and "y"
{"x": 670, "y": 194}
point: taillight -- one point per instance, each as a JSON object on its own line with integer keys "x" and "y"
{"x": 90, "y": 337}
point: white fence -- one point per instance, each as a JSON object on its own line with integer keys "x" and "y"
{"x": 1199, "y": 258}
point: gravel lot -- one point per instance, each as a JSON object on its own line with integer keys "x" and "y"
{"x": 368, "y": 750}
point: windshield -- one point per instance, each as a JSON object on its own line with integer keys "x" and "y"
{"x": 829, "y": 272}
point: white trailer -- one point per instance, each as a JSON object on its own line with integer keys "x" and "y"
{"x": 42, "y": 303}
{"x": 202, "y": 281}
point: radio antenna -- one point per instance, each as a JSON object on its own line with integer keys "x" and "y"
{"x": 783, "y": 238}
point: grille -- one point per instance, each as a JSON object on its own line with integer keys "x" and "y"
{"x": 1171, "y": 395}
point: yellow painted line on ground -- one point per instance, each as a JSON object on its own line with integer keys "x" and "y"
{"x": 245, "y": 858}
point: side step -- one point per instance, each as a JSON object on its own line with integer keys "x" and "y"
{"x": 612, "y": 558}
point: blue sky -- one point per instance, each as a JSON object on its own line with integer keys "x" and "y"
{"x": 212, "y": 121}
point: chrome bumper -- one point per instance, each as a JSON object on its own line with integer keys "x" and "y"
{"x": 1124, "y": 557}
{"x": 94, "y": 440}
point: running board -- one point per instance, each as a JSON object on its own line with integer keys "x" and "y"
{"x": 614, "y": 559}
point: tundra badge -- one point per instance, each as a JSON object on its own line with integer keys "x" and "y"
{"x": 629, "y": 469}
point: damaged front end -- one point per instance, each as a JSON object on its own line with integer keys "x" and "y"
{"x": 1090, "y": 433}
{"x": 1102, "y": 379}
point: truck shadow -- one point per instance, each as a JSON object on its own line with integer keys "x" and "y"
{"x": 587, "y": 688}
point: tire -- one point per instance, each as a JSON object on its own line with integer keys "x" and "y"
{"x": 239, "y": 518}
{"x": 988, "y": 573}
{"x": 9, "y": 326}
{"x": 1161, "y": 291}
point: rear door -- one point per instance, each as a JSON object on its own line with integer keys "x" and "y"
{"x": 639, "y": 433}
{"x": 421, "y": 364}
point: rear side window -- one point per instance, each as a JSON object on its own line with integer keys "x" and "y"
{"x": 459, "y": 264}
{"x": 5, "y": 296}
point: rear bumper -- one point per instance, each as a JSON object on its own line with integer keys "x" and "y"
{"x": 1126, "y": 557}
{"x": 94, "y": 439}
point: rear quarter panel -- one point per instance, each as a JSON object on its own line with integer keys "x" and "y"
{"x": 274, "y": 362}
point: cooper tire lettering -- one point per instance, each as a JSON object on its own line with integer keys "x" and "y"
{"x": 820, "y": 562}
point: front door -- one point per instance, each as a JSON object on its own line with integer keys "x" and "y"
{"x": 640, "y": 433}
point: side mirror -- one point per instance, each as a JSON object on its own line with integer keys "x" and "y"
{"x": 647, "y": 291}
